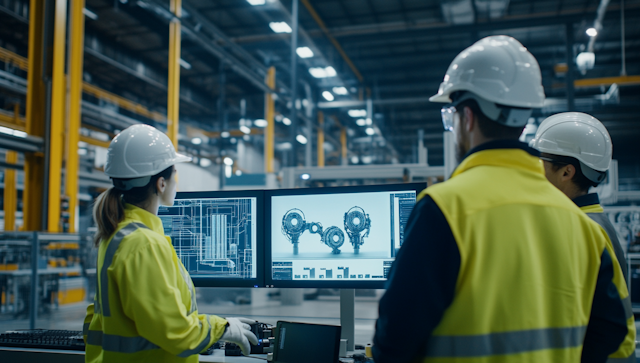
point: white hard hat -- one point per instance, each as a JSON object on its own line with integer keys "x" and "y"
{"x": 498, "y": 69}
{"x": 137, "y": 153}
{"x": 576, "y": 135}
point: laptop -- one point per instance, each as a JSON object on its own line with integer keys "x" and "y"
{"x": 309, "y": 343}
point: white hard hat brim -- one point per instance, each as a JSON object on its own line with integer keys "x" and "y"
{"x": 181, "y": 158}
{"x": 440, "y": 98}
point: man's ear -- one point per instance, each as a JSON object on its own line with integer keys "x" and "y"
{"x": 470, "y": 123}
{"x": 568, "y": 172}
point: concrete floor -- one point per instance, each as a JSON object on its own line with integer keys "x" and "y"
{"x": 323, "y": 310}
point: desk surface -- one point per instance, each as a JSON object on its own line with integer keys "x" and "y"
{"x": 8, "y": 354}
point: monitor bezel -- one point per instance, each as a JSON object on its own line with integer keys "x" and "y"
{"x": 258, "y": 281}
{"x": 331, "y": 284}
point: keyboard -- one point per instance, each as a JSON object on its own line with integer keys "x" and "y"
{"x": 43, "y": 339}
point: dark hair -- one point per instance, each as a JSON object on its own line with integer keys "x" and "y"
{"x": 578, "y": 179}
{"x": 489, "y": 128}
{"x": 108, "y": 210}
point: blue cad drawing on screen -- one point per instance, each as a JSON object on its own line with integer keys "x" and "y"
{"x": 213, "y": 237}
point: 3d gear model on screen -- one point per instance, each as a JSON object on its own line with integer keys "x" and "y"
{"x": 356, "y": 221}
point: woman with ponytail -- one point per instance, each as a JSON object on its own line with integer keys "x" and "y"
{"x": 145, "y": 304}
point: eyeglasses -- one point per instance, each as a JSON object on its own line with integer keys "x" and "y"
{"x": 448, "y": 116}
{"x": 552, "y": 160}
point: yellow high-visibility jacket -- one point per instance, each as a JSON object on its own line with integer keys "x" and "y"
{"x": 145, "y": 306}
{"x": 590, "y": 204}
{"x": 498, "y": 265}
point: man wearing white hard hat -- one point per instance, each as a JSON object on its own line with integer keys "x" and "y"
{"x": 497, "y": 265}
{"x": 145, "y": 305}
{"x": 576, "y": 150}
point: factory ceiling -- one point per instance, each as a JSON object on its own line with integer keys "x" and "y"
{"x": 394, "y": 53}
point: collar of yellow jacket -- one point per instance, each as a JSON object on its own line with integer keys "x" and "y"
{"x": 148, "y": 219}
{"x": 589, "y": 203}
{"x": 505, "y": 153}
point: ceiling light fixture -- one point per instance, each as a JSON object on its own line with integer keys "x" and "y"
{"x": 245, "y": 129}
{"x": 319, "y": 72}
{"x": 328, "y": 96}
{"x": 592, "y": 32}
{"x": 301, "y": 139}
{"x": 185, "y": 64}
{"x": 90, "y": 14}
{"x": 340, "y": 91}
{"x": 357, "y": 113}
{"x": 304, "y": 52}
{"x": 280, "y": 27}
{"x": 256, "y": 2}
{"x": 260, "y": 123}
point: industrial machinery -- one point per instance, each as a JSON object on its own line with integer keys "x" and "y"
{"x": 356, "y": 221}
{"x": 293, "y": 225}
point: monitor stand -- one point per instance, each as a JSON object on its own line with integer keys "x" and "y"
{"x": 347, "y": 316}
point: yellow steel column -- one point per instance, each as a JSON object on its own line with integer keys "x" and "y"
{"x": 76, "y": 51}
{"x": 320, "y": 139}
{"x": 343, "y": 142}
{"x": 269, "y": 111}
{"x": 56, "y": 127}
{"x": 173, "y": 102}
{"x": 10, "y": 193}
{"x": 34, "y": 163}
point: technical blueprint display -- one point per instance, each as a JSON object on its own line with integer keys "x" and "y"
{"x": 313, "y": 236}
{"x": 213, "y": 237}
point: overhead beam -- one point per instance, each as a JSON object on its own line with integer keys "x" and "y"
{"x": 333, "y": 40}
{"x": 357, "y": 103}
{"x": 607, "y": 81}
{"x": 397, "y": 30}
{"x": 234, "y": 63}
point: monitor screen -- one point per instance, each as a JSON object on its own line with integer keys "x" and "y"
{"x": 336, "y": 237}
{"x": 309, "y": 343}
{"x": 217, "y": 236}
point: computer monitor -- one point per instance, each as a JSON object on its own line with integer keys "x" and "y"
{"x": 218, "y": 236}
{"x": 344, "y": 237}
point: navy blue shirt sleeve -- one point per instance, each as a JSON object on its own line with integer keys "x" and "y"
{"x": 607, "y": 326}
{"x": 420, "y": 287}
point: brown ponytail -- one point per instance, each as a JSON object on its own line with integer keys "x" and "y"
{"x": 108, "y": 211}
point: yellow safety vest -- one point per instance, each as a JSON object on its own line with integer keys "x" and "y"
{"x": 521, "y": 295}
{"x": 145, "y": 306}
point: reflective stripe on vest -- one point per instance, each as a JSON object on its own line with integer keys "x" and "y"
{"x": 187, "y": 280}
{"x": 200, "y": 346}
{"x": 108, "y": 259}
{"x": 85, "y": 328}
{"x": 96, "y": 300}
{"x": 119, "y": 344}
{"x": 629, "y": 359}
{"x": 628, "y": 309}
{"x": 505, "y": 343}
